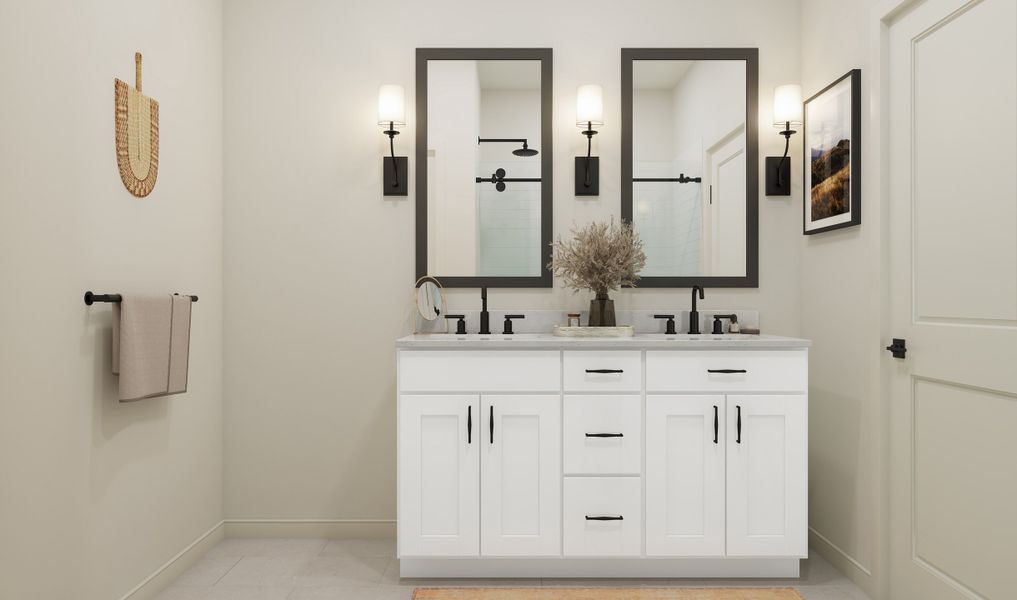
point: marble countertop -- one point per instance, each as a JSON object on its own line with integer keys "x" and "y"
{"x": 640, "y": 341}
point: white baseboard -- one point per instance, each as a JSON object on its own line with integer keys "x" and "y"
{"x": 157, "y": 581}
{"x": 311, "y": 528}
{"x": 844, "y": 562}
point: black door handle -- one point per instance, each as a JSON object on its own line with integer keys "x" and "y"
{"x": 604, "y": 371}
{"x": 469, "y": 424}
{"x": 716, "y": 425}
{"x": 605, "y": 435}
{"x": 728, "y": 371}
{"x": 605, "y": 518}
{"x": 738, "y": 440}
{"x": 899, "y": 348}
{"x": 491, "y": 424}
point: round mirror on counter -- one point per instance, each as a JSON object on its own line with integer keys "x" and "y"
{"x": 430, "y": 299}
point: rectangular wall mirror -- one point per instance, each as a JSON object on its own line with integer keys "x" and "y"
{"x": 484, "y": 166}
{"x": 689, "y": 164}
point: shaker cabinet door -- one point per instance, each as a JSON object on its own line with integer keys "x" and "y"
{"x": 685, "y": 447}
{"x": 767, "y": 465}
{"x": 521, "y": 475}
{"x": 439, "y": 475}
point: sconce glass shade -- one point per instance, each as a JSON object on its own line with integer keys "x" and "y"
{"x": 391, "y": 108}
{"x": 590, "y": 105}
{"x": 787, "y": 105}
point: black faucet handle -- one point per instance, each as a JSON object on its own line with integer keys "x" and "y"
{"x": 508, "y": 323}
{"x": 670, "y": 323}
{"x": 718, "y": 326}
{"x": 461, "y": 325}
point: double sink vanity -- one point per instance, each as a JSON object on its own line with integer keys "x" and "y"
{"x": 531, "y": 455}
{"x": 655, "y": 455}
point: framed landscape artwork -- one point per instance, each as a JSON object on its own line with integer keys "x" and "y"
{"x": 833, "y": 169}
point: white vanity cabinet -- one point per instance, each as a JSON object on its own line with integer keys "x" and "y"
{"x": 663, "y": 456}
{"x": 480, "y": 472}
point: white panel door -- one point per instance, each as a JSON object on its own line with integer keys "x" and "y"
{"x": 439, "y": 475}
{"x": 953, "y": 298}
{"x": 685, "y": 475}
{"x": 767, "y": 462}
{"x": 724, "y": 222}
{"x": 521, "y": 475}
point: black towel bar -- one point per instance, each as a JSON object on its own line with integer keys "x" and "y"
{"x": 91, "y": 298}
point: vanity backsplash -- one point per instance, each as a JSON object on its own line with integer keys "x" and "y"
{"x": 543, "y": 321}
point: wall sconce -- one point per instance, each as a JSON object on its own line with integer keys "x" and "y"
{"x": 787, "y": 111}
{"x": 392, "y": 114}
{"x": 589, "y": 114}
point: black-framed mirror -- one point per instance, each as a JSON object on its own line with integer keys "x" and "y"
{"x": 484, "y": 180}
{"x": 690, "y": 183}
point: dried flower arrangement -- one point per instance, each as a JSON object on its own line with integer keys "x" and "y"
{"x": 600, "y": 257}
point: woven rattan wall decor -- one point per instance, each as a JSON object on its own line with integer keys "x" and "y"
{"x": 137, "y": 134}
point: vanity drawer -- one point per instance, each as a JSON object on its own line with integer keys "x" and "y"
{"x": 603, "y": 435}
{"x": 727, "y": 371}
{"x": 479, "y": 371}
{"x": 602, "y": 516}
{"x": 603, "y": 371}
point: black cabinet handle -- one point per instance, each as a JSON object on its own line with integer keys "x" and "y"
{"x": 605, "y": 371}
{"x": 605, "y": 518}
{"x": 728, "y": 371}
{"x": 738, "y": 440}
{"x": 491, "y": 424}
{"x": 469, "y": 424}
{"x": 716, "y": 425}
{"x": 605, "y": 435}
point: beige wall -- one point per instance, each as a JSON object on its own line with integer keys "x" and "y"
{"x": 96, "y": 495}
{"x": 840, "y": 303}
{"x": 319, "y": 266}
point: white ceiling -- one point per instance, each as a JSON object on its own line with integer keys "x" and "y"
{"x": 509, "y": 74}
{"x": 658, "y": 74}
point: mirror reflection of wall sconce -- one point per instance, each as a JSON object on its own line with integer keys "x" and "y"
{"x": 392, "y": 114}
{"x": 589, "y": 114}
{"x": 787, "y": 111}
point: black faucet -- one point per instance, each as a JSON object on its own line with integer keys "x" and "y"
{"x": 694, "y": 315}
{"x": 508, "y": 323}
{"x": 485, "y": 317}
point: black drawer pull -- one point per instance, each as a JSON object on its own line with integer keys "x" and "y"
{"x": 605, "y": 518}
{"x": 726, "y": 371}
{"x": 491, "y": 424}
{"x": 604, "y": 371}
{"x": 605, "y": 435}
{"x": 469, "y": 424}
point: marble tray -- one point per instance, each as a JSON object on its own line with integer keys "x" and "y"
{"x": 621, "y": 331}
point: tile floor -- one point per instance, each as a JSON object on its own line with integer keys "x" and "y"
{"x": 314, "y": 569}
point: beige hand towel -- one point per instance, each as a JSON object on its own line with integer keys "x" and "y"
{"x": 180, "y": 341}
{"x": 151, "y": 338}
{"x": 145, "y": 327}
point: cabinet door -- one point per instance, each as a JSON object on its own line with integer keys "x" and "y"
{"x": 685, "y": 475}
{"x": 521, "y": 475}
{"x": 767, "y": 462}
{"x": 439, "y": 475}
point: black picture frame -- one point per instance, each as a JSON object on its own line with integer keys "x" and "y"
{"x": 751, "y": 58}
{"x": 545, "y": 56}
{"x": 854, "y": 167}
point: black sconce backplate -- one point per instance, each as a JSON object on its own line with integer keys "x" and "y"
{"x": 581, "y": 188}
{"x": 772, "y": 187}
{"x": 402, "y": 164}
